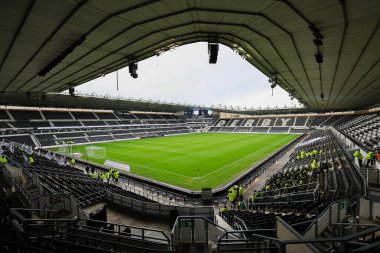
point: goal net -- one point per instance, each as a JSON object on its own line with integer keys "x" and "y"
{"x": 64, "y": 149}
{"x": 96, "y": 152}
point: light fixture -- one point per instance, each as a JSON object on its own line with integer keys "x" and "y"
{"x": 133, "y": 68}
{"x": 319, "y": 58}
{"x": 273, "y": 81}
{"x": 71, "y": 91}
{"x": 213, "y": 48}
{"x": 61, "y": 57}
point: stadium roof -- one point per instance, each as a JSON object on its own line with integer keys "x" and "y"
{"x": 46, "y": 46}
{"x": 53, "y": 100}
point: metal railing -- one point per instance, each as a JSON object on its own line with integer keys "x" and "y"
{"x": 158, "y": 208}
{"x": 89, "y": 233}
{"x": 348, "y": 156}
{"x": 195, "y": 229}
{"x": 335, "y": 212}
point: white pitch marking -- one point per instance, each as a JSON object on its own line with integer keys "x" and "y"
{"x": 212, "y": 172}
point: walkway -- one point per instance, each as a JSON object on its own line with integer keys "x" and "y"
{"x": 259, "y": 182}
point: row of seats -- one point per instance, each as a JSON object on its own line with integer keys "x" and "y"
{"x": 57, "y": 178}
{"x": 284, "y": 195}
{"x": 363, "y": 129}
{"x": 39, "y": 119}
{"x": 280, "y": 124}
{"x": 56, "y": 138}
{"x": 75, "y": 115}
{"x": 263, "y": 220}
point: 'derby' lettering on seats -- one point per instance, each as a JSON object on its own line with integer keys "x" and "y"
{"x": 249, "y": 123}
{"x": 284, "y": 121}
{"x": 235, "y": 122}
{"x": 266, "y": 122}
{"x": 221, "y": 123}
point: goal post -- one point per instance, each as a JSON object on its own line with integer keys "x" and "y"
{"x": 96, "y": 152}
{"x": 64, "y": 148}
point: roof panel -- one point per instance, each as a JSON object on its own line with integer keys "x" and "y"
{"x": 274, "y": 35}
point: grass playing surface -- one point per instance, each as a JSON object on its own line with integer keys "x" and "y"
{"x": 219, "y": 157}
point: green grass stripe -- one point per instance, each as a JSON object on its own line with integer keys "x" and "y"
{"x": 220, "y": 157}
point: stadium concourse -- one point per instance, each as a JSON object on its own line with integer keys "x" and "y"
{"x": 318, "y": 191}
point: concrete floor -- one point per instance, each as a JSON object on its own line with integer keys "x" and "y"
{"x": 125, "y": 217}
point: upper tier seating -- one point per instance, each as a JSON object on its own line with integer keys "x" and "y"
{"x": 30, "y": 124}
{"x": 66, "y": 123}
{"x": 129, "y": 116}
{"x": 4, "y": 125}
{"x": 364, "y": 129}
{"x": 106, "y": 115}
{"x": 21, "y": 138}
{"x": 94, "y": 123}
{"x": 111, "y": 123}
{"x": 4, "y": 115}
{"x": 25, "y": 115}
{"x": 143, "y": 116}
{"x": 57, "y": 115}
{"x": 83, "y": 115}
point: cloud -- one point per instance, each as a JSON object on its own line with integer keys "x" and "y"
{"x": 184, "y": 75}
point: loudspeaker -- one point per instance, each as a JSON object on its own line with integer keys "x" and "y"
{"x": 319, "y": 58}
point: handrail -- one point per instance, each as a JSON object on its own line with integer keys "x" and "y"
{"x": 355, "y": 224}
{"x": 195, "y": 217}
{"x": 241, "y": 221}
{"x": 346, "y": 239}
{"x": 244, "y": 231}
{"x": 319, "y": 216}
{"x": 118, "y": 233}
{"x": 53, "y": 238}
{"x": 32, "y": 210}
{"x": 16, "y": 212}
{"x": 367, "y": 247}
{"x": 353, "y": 165}
{"x": 288, "y": 188}
{"x": 316, "y": 190}
{"x": 292, "y": 230}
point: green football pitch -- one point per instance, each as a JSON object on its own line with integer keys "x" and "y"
{"x": 192, "y": 161}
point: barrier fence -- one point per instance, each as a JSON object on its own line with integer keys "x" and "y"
{"x": 158, "y": 209}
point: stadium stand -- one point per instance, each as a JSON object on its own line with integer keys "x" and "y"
{"x": 363, "y": 129}
{"x": 83, "y": 115}
{"x": 311, "y": 195}
{"x": 79, "y": 126}
{"x": 105, "y": 116}
{"x": 57, "y": 115}
{"x": 25, "y": 115}
{"x": 64, "y": 178}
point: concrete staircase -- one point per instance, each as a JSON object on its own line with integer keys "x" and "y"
{"x": 221, "y": 222}
{"x": 33, "y": 191}
{"x": 323, "y": 246}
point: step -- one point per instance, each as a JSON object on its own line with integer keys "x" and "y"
{"x": 33, "y": 191}
{"x": 222, "y": 223}
{"x": 327, "y": 233}
{"x": 193, "y": 247}
{"x": 320, "y": 247}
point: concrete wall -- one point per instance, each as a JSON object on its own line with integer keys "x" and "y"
{"x": 285, "y": 232}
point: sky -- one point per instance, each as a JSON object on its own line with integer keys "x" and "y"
{"x": 183, "y": 75}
